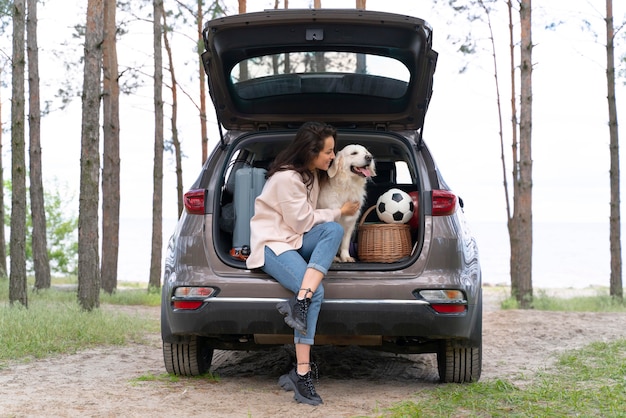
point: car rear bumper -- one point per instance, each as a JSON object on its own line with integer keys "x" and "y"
{"x": 338, "y": 317}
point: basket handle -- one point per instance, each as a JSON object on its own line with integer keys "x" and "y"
{"x": 367, "y": 212}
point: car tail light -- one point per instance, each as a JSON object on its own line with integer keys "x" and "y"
{"x": 445, "y": 301}
{"x": 194, "y": 201}
{"x": 187, "y": 304}
{"x": 444, "y": 202}
{"x": 448, "y": 309}
{"x": 190, "y": 297}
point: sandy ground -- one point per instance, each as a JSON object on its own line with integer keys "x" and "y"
{"x": 109, "y": 381}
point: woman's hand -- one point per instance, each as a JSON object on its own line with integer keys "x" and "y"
{"x": 350, "y": 208}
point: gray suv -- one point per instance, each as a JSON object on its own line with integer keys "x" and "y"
{"x": 370, "y": 75}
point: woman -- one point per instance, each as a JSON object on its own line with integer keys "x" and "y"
{"x": 296, "y": 243}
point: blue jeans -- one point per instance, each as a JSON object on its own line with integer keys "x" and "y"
{"x": 319, "y": 247}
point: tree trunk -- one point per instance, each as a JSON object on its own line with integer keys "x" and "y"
{"x": 203, "y": 125}
{"x": 616, "y": 289}
{"x": 243, "y": 65}
{"x": 37, "y": 205}
{"x": 111, "y": 157}
{"x": 3, "y": 247}
{"x": 17, "y": 278}
{"x": 157, "y": 202}
{"x": 521, "y": 223}
{"x": 514, "y": 136}
{"x": 88, "y": 254}
{"x": 174, "y": 119}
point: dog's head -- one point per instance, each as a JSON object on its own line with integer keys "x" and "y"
{"x": 354, "y": 159}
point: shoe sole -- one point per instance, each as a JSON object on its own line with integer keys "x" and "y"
{"x": 287, "y": 384}
{"x": 285, "y": 309}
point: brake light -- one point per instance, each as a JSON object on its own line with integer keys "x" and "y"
{"x": 187, "y": 304}
{"x": 194, "y": 201}
{"x": 191, "y": 297}
{"x": 444, "y": 202}
{"x": 445, "y": 301}
{"x": 448, "y": 309}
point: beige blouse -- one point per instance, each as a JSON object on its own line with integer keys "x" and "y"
{"x": 283, "y": 212}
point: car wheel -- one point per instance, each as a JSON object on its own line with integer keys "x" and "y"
{"x": 189, "y": 358}
{"x": 459, "y": 364}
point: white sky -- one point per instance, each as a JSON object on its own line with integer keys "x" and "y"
{"x": 570, "y": 134}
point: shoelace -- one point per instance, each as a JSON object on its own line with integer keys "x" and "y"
{"x": 309, "y": 384}
{"x": 303, "y": 307}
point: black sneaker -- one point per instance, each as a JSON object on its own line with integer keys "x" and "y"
{"x": 295, "y": 311}
{"x": 302, "y": 386}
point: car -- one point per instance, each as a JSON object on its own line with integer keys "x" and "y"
{"x": 370, "y": 75}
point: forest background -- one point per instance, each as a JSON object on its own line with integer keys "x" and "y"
{"x": 570, "y": 133}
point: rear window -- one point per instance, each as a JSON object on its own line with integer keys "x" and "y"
{"x": 320, "y": 73}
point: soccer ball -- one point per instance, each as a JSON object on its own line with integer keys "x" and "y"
{"x": 395, "y": 207}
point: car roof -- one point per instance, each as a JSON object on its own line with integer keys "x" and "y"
{"x": 280, "y": 68}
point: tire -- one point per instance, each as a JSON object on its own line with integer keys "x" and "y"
{"x": 459, "y": 364}
{"x": 189, "y": 358}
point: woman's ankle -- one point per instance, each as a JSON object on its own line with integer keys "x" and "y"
{"x": 304, "y": 294}
{"x": 303, "y": 368}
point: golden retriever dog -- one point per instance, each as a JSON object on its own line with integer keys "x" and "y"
{"x": 348, "y": 175}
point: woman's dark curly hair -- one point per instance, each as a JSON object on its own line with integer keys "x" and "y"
{"x": 304, "y": 148}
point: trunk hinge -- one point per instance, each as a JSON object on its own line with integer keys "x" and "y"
{"x": 381, "y": 127}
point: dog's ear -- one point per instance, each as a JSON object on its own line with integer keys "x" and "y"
{"x": 334, "y": 167}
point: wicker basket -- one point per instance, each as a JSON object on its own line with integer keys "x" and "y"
{"x": 382, "y": 242}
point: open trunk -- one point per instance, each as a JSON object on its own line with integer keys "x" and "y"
{"x": 242, "y": 177}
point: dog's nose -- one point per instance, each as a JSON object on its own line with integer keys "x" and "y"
{"x": 368, "y": 158}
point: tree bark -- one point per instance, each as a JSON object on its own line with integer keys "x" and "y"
{"x": 3, "y": 247}
{"x": 243, "y": 65}
{"x": 514, "y": 136}
{"x": 203, "y": 122}
{"x": 616, "y": 290}
{"x": 17, "y": 277}
{"x": 111, "y": 157}
{"x": 88, "y": 240}
{"x": 521, "y": 231}
{"x": 174, "y": 118}
{"x": 157, "y": 199}
{"x": 39, "y": 238}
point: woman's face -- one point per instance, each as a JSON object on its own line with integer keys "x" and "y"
{"x": 326, "y": 155}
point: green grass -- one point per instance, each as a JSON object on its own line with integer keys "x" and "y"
{"x": 590, "y": 382}
{"x": 586, "y": 382}
{"x": 600, "y": 302}
{"x": 132, "y": 297}
{"x": 54, "y": 323}
{"x": 64, "y": 291}
{"x": 171, "y": 378}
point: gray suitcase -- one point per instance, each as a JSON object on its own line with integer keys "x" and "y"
{"x": 249, "y": 183}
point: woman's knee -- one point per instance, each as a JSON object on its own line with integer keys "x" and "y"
{"x": 335, "y": 230}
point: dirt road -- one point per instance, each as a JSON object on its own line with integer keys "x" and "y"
{"x": 111, "y": 381}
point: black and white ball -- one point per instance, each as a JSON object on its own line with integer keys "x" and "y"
{"x": 395, "y": 207}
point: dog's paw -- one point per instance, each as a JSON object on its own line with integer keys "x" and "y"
{"x": 345, "y": 258}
